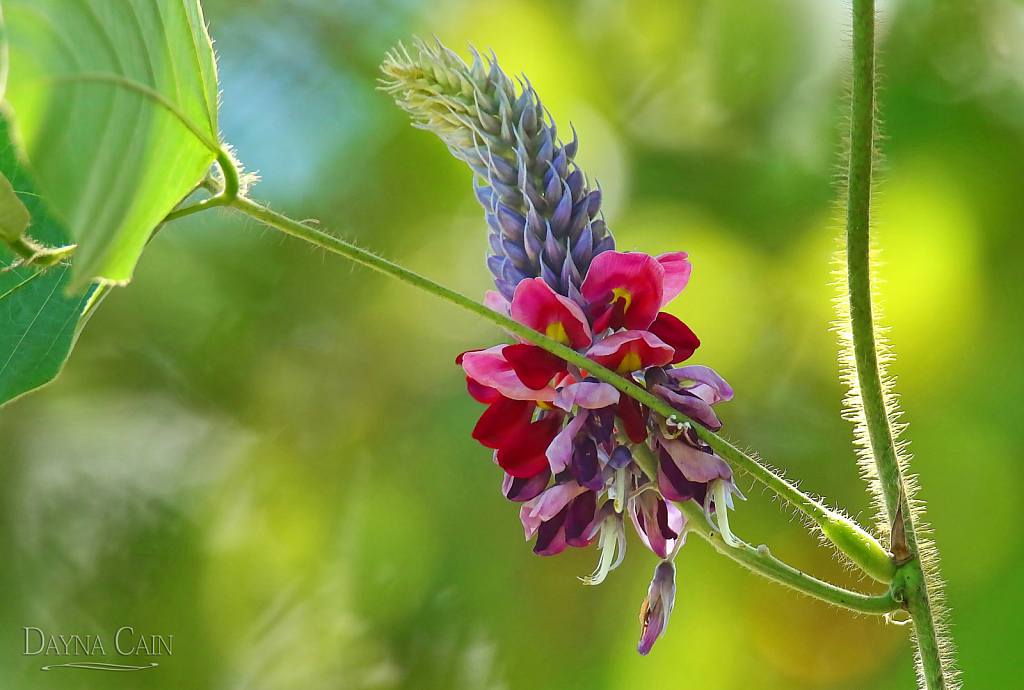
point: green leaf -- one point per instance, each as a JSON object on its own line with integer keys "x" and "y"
{"x": 116, "y": 107}
{"x": 38, "y": 321}
{"x": 14, "y": 217}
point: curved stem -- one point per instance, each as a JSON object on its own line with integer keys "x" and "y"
{"x": 869, "y": 379}
{"x": 763, "y": 563}
{"x": 848, "y": 537}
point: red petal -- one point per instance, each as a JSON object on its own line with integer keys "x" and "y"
{"x": 675, "y": 334}
{"x": 523, "y": 455}
{"x": 631, "y": 413}
{"x": 534, "y": 365}
{"x": 503, "y": 419}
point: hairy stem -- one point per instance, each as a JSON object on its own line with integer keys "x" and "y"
{"x": 763, "y": 563}
{"x": 846, "y": 535}
{"x": 869, "y": 377}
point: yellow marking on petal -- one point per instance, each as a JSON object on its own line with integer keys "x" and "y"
{"x": 556, "y": 331}
{"x": 544, "y": 406}
{"x": 645, "y": 615}
{"x": 631, "y": 362}
{"x": 623, "y": 294}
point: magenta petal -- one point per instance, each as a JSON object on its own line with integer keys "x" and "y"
{"x": 708, "y": 386}
{"x": 677, "y": 274}
{"x": 490, "y": 368}
{"x": 628, "y": 351}
{"x": 696, "y": 465}
{"x": 546, "y": 506}
{"x": 559, "y": 453}
{"x": 634, "y": 280}
{"x": 591, "y": 395}
{"x": 658, "y": 522}
{"x": 539, "y": 307}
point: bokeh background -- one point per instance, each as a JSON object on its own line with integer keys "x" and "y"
{"x": 265, "y": 452}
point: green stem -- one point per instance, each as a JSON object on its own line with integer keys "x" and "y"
{"x": 849, "y": 537}
{"x": 872, "y": 393}
{"x": 762, "y": 562}
{"x": 226, "y": 196}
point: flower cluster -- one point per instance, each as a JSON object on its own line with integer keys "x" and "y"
{"x": 577, "y": 454}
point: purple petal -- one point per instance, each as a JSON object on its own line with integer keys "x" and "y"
{"x": 690, "y": 405}
{"x": 551, "y": 536}
{"x": 586, "y": 466}
{"x": 674, "y": 486}
{"x": 620, "y": 458}
{"x": 709, "y": 387}
{"x": 697, "y": 466}
{"x": 661, "y": 596}
{"x": 581, "y": 519}
{"x": 547, "y": 505}
{"x": 520, "y": 489}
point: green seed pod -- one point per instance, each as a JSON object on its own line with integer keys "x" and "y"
{"x": 858, "y": 546}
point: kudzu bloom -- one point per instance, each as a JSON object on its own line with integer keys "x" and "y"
{"x": 578, "y": 455}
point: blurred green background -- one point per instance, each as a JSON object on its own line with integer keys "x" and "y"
{"x": 265, "y": 452}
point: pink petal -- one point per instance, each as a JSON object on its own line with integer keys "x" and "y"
{"x": 495, "y": 302}
{"x": 537, "y": 306}
{"x": 677, "y": 274}
{"x": 591, "y": 395}
{"x": 490, "y": 368}
{"x": 632, "y": 280}
{"x": 559, "y": 453}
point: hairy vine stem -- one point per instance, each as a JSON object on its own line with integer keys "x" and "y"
{"x": 761, "y": 561}
{"x": 850, "y": 538}
{"x": 869, "y": 377}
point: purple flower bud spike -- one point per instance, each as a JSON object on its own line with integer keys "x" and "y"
{"x": 507, "y": 137}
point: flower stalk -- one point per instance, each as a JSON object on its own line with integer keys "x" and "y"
{"x": 761, "y": 561}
